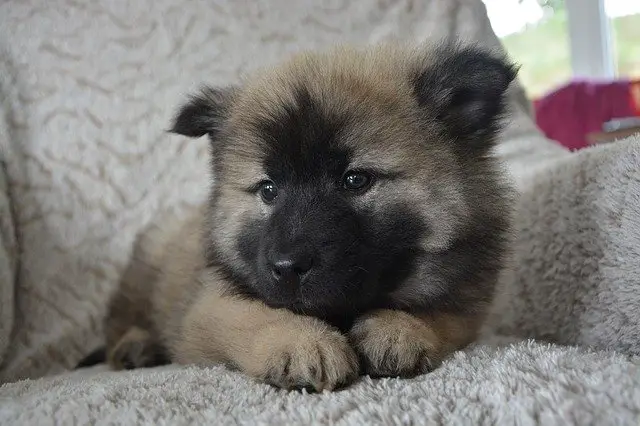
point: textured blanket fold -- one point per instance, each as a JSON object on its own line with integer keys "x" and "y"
{"x": 576, "y": 277}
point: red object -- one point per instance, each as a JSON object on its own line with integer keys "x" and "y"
{"x": 634, "y": 97}
{"x": 571, "y": 112}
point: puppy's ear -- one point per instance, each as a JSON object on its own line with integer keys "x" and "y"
{"x": 204, "y": 113}
{"x": 464, "y": 86}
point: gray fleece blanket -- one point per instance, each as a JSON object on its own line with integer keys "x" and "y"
{"x": 86, "y": 90}
{"x": 522, "y": 383}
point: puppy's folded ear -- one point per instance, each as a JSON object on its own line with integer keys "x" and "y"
{"x": 204, "y": 113}
{"x": 465, "y": 86}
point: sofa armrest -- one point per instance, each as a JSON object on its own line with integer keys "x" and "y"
{"x": 575, "y": 276}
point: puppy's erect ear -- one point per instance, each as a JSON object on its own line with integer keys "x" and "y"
{"x": 465, "y": 87}
{"x": 204, "y": 113}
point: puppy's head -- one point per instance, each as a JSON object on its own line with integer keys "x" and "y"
{"x": 336, "y": 174}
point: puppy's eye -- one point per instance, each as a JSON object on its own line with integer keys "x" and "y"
{"x": 357, "y": 181}
{"x": 268, "y": 191}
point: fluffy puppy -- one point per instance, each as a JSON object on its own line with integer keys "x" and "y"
{"x": 357, "y": 221}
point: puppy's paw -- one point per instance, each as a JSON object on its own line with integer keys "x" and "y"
{"x": 136, "y": 349}
{"x": 307, "y": 355}
{"x": 395, "y": 344}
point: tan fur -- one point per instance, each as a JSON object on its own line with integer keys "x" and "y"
{"x": 159, "y": 278}
{"x": 396, "y": 343}
{"x": 274, "y": 345}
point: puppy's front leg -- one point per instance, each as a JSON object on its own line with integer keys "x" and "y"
{"x": 274, "y": 345}
{"x": 395, "y": 343}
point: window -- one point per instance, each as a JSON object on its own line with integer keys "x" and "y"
{"x": 535, "y": 34}
{"x": 625, "y": 26}
{"x": 555, "y": 40}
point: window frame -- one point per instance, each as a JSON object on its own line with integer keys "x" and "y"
{"x": 590, "y": 42}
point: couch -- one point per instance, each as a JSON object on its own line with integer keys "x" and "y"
{"x": 87, "y": 90}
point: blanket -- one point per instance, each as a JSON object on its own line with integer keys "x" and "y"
{"x": 522, "y": 383}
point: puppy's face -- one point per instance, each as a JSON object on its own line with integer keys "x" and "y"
{"x": 337, "y": 174}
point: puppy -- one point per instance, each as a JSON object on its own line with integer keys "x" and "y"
{"x": 357, "y": 221}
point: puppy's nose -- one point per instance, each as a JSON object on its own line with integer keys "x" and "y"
{"x": 291, "y": 269}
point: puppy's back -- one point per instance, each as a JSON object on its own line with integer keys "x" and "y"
{"x": 176, "y": 243}
{"x": 159, "y": 280}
